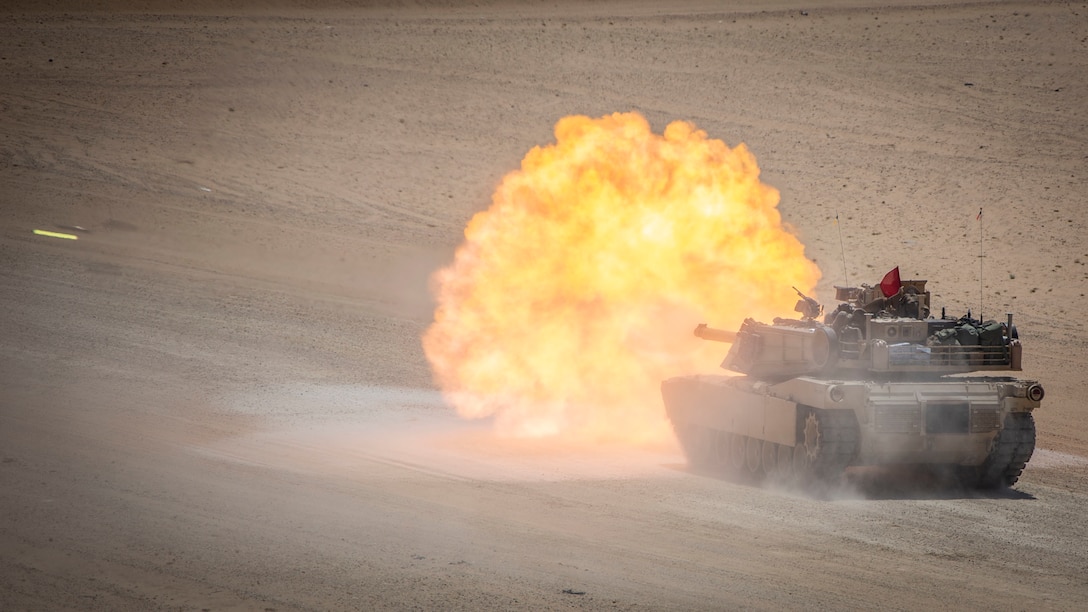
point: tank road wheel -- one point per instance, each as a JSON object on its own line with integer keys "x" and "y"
{"x": 1012, "y": 448}
{"x": 737, "y": 454}
{"x": 799, "y": 461}
{"x": 769, "y": 451}
{"x": 827, "y": 441}
{"x": 784, "y": 463}
{"x": 753, "y": 455}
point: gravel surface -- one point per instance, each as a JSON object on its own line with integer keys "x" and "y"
{"x": 216, "y": 398}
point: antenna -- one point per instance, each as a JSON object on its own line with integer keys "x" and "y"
{"x": 980, "y": 256}
{"x": 843, "y": 249}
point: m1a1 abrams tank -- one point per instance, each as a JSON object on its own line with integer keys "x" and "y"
{"x": 869, "y": 385}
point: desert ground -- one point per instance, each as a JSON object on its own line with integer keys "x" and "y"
{"x": 216, "y": 398}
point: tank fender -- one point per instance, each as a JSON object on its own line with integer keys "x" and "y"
{"x": 820, "y": 393}
{"x": 779, "y": 421}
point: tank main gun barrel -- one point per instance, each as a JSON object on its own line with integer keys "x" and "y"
{"x": 717, "y": 335}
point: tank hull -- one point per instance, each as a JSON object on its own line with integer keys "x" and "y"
{"x": 980, "y": 426}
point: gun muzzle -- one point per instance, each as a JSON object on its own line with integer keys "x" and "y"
{"x": 717, "y": 335}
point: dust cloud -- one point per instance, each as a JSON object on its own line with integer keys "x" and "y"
{"x": 574, "y": 294}
{"x": 338, "y": 429}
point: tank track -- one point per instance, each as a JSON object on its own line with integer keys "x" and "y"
{"x": 1011, "y": 450}
{"x": 831, "y": 444}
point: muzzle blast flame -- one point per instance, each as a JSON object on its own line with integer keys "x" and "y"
{"x": 576, "y": 292}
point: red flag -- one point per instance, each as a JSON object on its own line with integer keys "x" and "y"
{"x": 891, "y": 285}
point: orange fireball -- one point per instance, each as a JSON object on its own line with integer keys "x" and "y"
{"x": 576, "y": 292}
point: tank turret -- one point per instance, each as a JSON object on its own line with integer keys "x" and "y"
{"x": 776, "y": 351}
{"x": 866, "y": 385}
{"x": 869, "y": 335}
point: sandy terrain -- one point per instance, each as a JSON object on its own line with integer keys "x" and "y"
{"x": 217, "y": 398}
